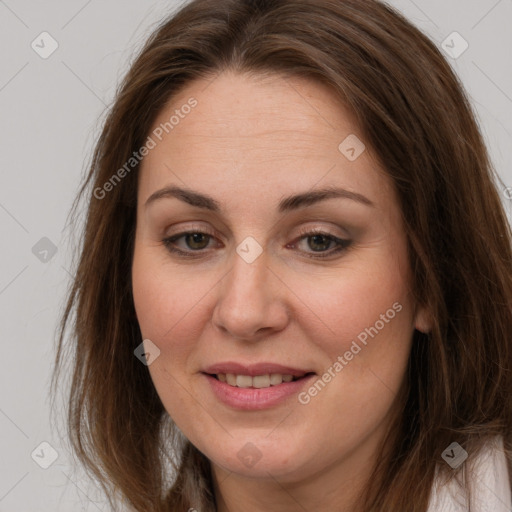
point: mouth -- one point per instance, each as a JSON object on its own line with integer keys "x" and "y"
{"x": 257, "y": 381}
{"x": 257, "y": 386}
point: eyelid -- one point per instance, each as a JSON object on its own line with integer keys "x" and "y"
{"x": 306, "y": 230}
{"x": 193, "y": 229}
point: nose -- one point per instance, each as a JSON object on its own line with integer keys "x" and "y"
{"x": 251, "y": 302}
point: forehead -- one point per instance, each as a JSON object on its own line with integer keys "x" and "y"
{"x": 245, "y": 107}
{"x": 258, "y": 133}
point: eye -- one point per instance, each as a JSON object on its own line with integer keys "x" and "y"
{"x": 195, "y": 241}
{"x": 319, "y": 242}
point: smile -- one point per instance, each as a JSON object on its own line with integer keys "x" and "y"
{"x": 258, "y": 381}
{"x": 255, "y": 387}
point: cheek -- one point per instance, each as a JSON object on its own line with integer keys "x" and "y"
{"x": 365, "y": 346}
{"x": 157, "y": 296}
{"x": 365, "y": 338}
{"x": 167, "y": 312}
{"x": 170, "y": 305}
{"x": 355, "y": 302}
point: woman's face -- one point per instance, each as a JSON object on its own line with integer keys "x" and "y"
{"x": 276, "y": 280}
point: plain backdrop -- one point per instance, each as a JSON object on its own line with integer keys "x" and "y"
{"x": 50, "y": 115}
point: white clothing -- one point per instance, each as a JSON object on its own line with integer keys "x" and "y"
{"x": 490, "y": 486}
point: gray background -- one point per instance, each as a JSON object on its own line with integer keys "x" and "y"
{"x": 51, "y": 111}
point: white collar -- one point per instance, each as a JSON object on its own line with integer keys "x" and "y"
{"x": 490, "y": 485}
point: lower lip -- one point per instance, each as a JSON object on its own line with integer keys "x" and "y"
{"x": 251, "y": 399}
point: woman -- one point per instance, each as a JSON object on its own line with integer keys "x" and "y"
{"x": 294, "y": 289}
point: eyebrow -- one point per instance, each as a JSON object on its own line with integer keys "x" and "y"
{"x": 287, "y": 204}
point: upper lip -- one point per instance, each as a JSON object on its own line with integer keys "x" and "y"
{"x": 254, "y": 369}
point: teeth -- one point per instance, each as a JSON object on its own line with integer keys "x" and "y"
{"x": 261, "y": 381}
{"x": 258, "y": 382}
{"x": 275, "y": 379}
{"x": 243, "y": 381}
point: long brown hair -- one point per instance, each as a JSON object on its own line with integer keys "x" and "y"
{"x": 416, "y": 118}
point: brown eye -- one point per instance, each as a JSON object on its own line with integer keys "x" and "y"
{"x": 319, "y": 243}
{"x": 194, "y": 242}
{"x": 197, "y": 241}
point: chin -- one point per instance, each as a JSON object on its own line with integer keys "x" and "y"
{"x": 256, "y": 456}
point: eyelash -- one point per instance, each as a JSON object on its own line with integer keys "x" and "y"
{"x": 343, "y": 244}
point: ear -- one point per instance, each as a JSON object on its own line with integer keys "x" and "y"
{"x": 423, "y": 320}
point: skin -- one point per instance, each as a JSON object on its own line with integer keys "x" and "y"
{"x": 248, "y": 143}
